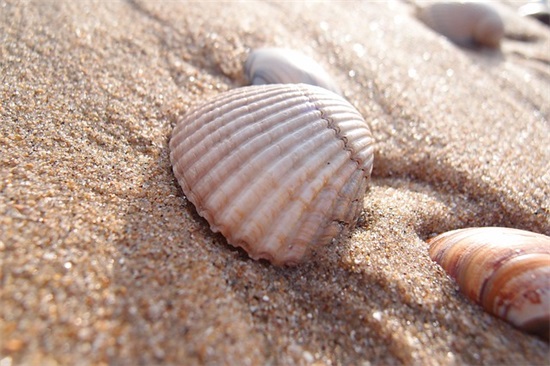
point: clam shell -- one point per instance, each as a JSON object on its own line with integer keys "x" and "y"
{"x": 277, "y": 169}
{"x": 285, "y": 66}
{"x": 505, "y": 270}
{"x": 466, "y": 24}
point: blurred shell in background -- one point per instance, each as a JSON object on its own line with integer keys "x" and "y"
{"x": 505, "y": 270}
{"x": 466, "y": 24}
{"x": 285, "y": 66}
{"x": 538, "y": 10}
{"x": 277, "y": 169}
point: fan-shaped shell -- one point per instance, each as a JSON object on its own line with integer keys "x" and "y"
{"x": 282, "y": 66}
{"x": 465, "y": 24}
{"x": 505, "y": 270}
{"x": 277, "y": 169}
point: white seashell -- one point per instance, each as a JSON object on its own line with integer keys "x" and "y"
{"x": 285, "y": 66}
{"x": 277, "y": 169}
{"x": 466, "y": 24}
{"x": 505, "y": 270}
{"x": 538, "y": 10}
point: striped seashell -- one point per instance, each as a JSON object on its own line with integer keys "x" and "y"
{"x": 285, "y": 66}
{"x": 505, "y": 270}
{"x": 466, "y": 24}
{"x": 277, "y": 169}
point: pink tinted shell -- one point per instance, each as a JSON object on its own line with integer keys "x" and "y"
{"x": 277, "y": 169}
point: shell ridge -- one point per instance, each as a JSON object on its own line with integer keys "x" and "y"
{"x": 283, "y": 140}
{"x": 203, "y": 126}
{"x": 293, "y": 178}
{"x": 226, "y": 102}
{"x": 242, "y": 134}
{"x": 334, "y": 126}
{"x": 339, "y": 219}
{"x": 204, "y": 111}
{"x": 193, "y": 137}
{"x": 315, "y": 186}
{"x": 297, "y": 151}
{"x": 274, "y": 201}
{"x": 276, "y": 160}
{"x": 355, "y": 187}
{"x": 337, "y": 131}
{"x": 228, "y": 160}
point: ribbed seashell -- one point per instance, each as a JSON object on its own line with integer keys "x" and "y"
{"x": 277, "y": 169}
{"x": 505, "y": 270}
{"x": 466, "y": 24}
{"x": 285, "y": 66}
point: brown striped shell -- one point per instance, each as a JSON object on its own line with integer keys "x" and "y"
{"x": 505, "y": 270}
{"x": 464, "y": 23}
{"x": 277, "y": 169}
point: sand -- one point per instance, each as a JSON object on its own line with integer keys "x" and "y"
{"x": 104, "y": 261}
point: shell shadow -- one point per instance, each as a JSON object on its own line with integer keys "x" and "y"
{"x": 176, "y": 281}
{"x": 169, "y": 279}
{"x": 328, "y": 297}
{"x": 484, "y": 203}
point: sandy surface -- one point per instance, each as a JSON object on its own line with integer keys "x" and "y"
{"x": 104, "y": 261}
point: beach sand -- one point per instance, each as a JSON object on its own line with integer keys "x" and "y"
{"x": 104, "y": 261}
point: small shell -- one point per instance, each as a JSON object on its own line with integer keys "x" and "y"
{"x": 277, "y": 169}
{"x": 505, "y": 270}
{"x": 537, "y": 10}
{"x": 284, "y": 66}
{"x": 466, "y": 24}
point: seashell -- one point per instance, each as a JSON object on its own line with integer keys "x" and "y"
{"x": 505, "y": 270}
{"x": 285, "y": 66}
{"x": 279, "y": 169}
{"x": 538, "y": 10}
{"x": 466, "y": 24}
